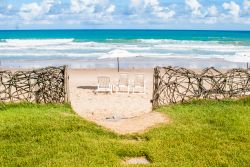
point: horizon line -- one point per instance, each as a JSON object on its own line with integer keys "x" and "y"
{"x": 54, "y": 29}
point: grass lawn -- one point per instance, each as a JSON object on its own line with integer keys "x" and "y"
{"x": 202, "y": 133}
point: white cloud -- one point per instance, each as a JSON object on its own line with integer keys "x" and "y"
{"x": 138, "y": 12}
{"x": 92, "y": 8}
{"x": 211, "y": 20}
{"x": 7, "y": 16}
{"x": 153, "y": 7}
{"x": 233, "y": 8}
{"x": 6, "y": 19}
{"x": 162, "y": 12}
{"x": 195, "y": 6}
{"x": 9, "y": 7}
{"x": 212, "y": 15}
{"x": 48, "y": 4}
{"x": 203, "y": 14}
{"x": 1, "y": 16}
{"x": 110, "y": 9}
{"x": 30, "y": 11}
{"x": 135, "y": 3}
{"x": 212, "y": 11}
{"x": 246, "y": 4}
{"x": 5, "y": 9}
{"x": 34, "y": 10}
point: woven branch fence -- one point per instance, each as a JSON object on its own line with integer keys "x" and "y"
{"x": 173, "y": 84}
{"x": 47, "y": 85}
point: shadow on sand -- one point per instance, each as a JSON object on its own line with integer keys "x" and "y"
{"x": 87, "y": 87}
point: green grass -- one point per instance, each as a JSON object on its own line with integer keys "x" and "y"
{"x": 202, "y": 133}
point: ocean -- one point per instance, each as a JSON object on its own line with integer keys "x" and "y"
{"x": 137, "y": 48}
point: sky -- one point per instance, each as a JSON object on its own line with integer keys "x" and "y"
{"x": 125, "y": 14}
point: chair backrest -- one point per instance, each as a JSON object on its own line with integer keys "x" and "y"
{"x": 123, "y": 80}
{"x": 104, "y": 81}
{"x": 139, "y": 80}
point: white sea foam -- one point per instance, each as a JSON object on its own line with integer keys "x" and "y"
{"x": 170, "y": 41}
{"x": 119, "y": 53}
{"x": 49, "y": 44}
{"x": 148, "y": 48}
{"x": 239, "y": 57}
{"x": 36, "y": 42}
{"x": 49, "y": 54}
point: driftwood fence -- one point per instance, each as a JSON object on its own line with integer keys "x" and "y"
{"x": 47, "y": 85}
{"x": 172, "y": 84}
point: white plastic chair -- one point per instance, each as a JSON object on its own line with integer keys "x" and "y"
{"x": 123, "y": 83}
{"x": 139, "y": 85}
{"x": 104, "y": 85}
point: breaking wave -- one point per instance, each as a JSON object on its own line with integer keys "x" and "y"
{"x": 151, "y": 48}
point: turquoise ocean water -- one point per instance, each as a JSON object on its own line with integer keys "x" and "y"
{"x": 139, "y": 48}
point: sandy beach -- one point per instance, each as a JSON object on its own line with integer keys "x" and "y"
{"x": 102, "y": 105}
{"x": 114, "y": 111}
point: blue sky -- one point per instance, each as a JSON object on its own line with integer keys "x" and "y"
{"x": 125, "y": 14}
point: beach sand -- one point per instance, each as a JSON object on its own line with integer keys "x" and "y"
{"x": 121, "y": 112}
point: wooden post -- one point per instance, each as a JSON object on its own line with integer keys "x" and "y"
{"x": 155, "y": 98}
{"x": 152, "y": 100}
{"x": 118, "y": 64}
{"x": 66, "y": 85}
